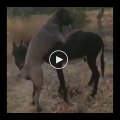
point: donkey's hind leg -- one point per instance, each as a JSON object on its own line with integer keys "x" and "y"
{"x": 95, "y": 74}
{"x": 37, "y": 79}
{"x": 91, "y": 80}
{"x": 89, "y": 62}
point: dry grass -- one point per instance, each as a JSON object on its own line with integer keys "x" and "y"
{"x": 107, "y": 20}
{"x": 21, "y": 28}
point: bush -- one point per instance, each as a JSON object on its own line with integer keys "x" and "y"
{"x": 80, "y": 18}
{"x": 78, "y": 12}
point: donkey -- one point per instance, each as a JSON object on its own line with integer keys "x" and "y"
{"x": 19, "y": 53}
{"x": 78, "y": 44}
{"x": 39, "y": 45}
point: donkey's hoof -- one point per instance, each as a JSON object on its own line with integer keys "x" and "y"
{"x": 66, "y": 100}
{"x": 92, "y": 95}
{"x": 32, "y": 103}
{"x": 90, "y": 83}
{"x": 39, "y": 109}
{"x": 59, "y": 90}
{"x": 60, "y": 94}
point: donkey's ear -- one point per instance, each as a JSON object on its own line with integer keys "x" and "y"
{"x": 14, "y": 45}
{"x": 21, "y": 42}
{"x": 14, "y": 48}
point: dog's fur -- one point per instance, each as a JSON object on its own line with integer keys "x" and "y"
{"x": 39, "y": 45}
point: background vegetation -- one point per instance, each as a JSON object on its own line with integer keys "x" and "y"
{"x": 79, "y": 12}
{"x": 27, "y": 11}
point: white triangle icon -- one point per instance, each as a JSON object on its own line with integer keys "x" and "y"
{"x": 58, "y": 59}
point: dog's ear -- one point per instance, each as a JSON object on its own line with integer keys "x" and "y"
{"x": 64, "y": 17}
{"x": 14, "y": 48}
{"x": 60, "y": 12}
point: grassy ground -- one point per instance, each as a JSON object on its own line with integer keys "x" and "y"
{"x": 77, "y": 75}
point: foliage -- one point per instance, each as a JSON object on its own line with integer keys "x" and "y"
{"x": 77, "y": 12}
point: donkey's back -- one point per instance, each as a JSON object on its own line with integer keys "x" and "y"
{"x": 79, "y": 44}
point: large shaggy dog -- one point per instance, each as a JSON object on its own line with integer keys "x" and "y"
{"x": 40, "y": 44}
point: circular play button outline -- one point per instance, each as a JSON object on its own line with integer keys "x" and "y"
{"x": 63, "y": 53}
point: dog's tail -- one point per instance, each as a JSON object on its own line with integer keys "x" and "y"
{"x": 102, "y": 61}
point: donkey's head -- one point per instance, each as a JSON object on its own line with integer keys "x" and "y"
{"x": 19, "y": 54}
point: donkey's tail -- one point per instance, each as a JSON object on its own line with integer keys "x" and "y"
{"x": 102, "y": 61}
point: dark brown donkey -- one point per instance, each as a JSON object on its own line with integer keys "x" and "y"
{"x": 78, "y": 44}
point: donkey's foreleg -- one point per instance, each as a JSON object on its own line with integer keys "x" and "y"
{"x": 62, "y": 88}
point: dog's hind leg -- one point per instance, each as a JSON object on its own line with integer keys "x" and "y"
{"x": 37, "y": 79}
{"x": 33, "y": 95}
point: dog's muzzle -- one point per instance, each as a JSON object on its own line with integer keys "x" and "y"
{"x": 18, "y": 77}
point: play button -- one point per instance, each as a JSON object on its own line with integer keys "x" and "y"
{"x": 58, "y": 59}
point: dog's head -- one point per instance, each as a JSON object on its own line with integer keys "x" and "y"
{"x": 64, "y": 17}
{"x": 19, "y": 54}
